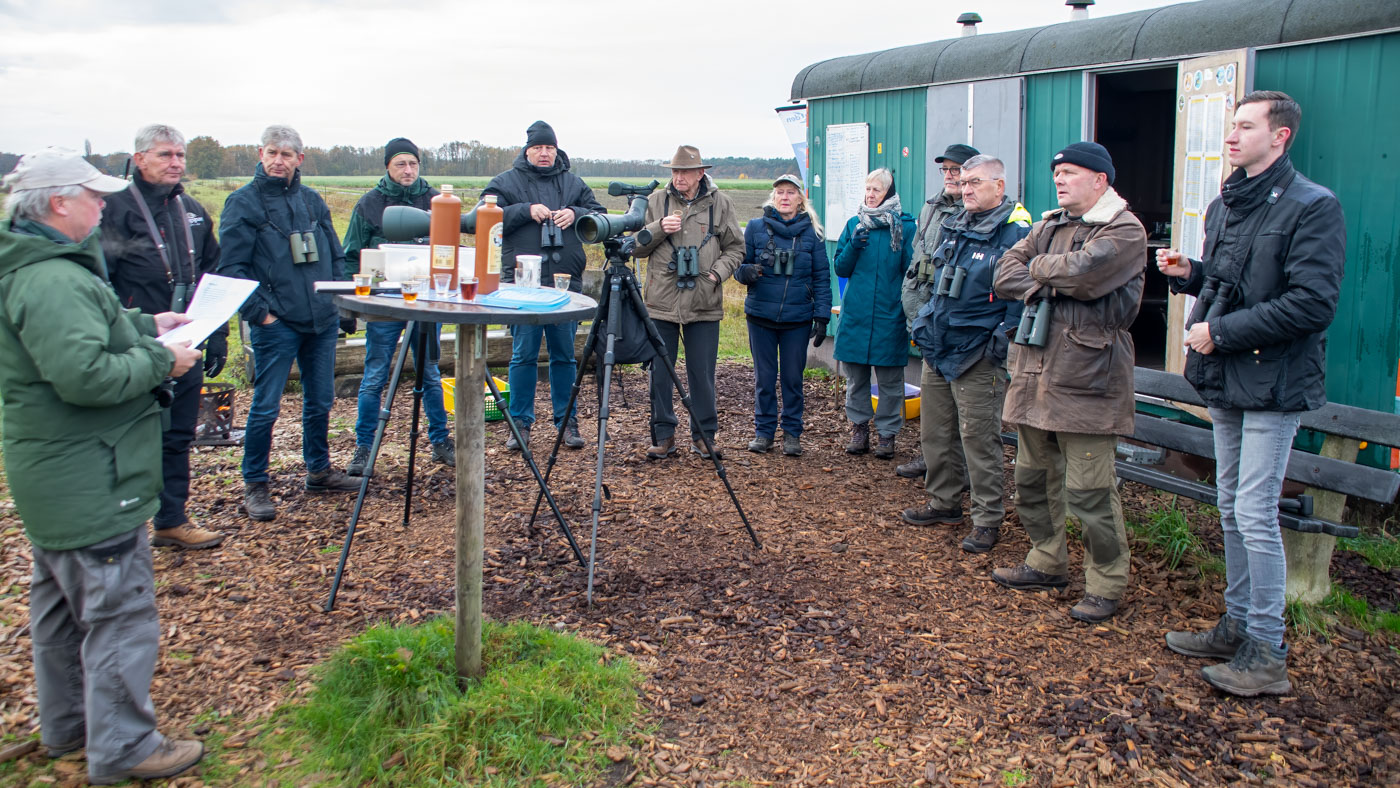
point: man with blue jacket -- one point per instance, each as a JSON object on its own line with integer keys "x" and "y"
{"x": 1267, "y": 289}
{"x": 83, "y": 459}
{"x": 279, "y": 233}
{"x": 963, "y": 332}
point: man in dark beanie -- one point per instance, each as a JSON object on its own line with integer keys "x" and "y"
{"x": 542, "y": 200}
{"x": 401, "y": 185}
{"x": 1071, "y": 396}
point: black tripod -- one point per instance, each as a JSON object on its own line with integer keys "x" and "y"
{"x": 620, "y": 292}
{"x": 419, "y": 332}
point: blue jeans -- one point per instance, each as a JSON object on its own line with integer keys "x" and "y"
{"x": 381, "y": 340}
{"x": 275, "y": 347}
{"x": 524, "y": 371}
{"x": 779, "y": 355}
{"x": 1251, "y": 454}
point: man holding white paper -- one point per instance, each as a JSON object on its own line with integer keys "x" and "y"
{"x": 158, "y": 242}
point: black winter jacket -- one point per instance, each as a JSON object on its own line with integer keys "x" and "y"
{"x": 254, "y": 230}
{"x": 554, "y": 187}
{"x": 134, "y": 264}
{"x": 1282, "y": 237}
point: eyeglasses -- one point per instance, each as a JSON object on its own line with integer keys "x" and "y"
{"x": 950, "y": 170}
{"x": 975, "y": 182}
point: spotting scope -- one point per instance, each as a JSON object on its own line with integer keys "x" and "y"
{"x": 402, "y": 223}
{"x": 596, "y": 227}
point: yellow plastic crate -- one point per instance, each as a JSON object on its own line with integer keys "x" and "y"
{"x": 493, "y": 413}
{"x": 911, "y": 399}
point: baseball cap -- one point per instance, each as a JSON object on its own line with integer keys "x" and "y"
{"x": 59, "y": 167}
{"x": 957, "y": 153}
{"x": 792, "y": 179}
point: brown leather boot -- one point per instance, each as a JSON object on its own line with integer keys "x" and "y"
{"x": 860, "y": 439}
{"x": 188, "y": 536}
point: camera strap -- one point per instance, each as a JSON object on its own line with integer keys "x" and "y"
{"x": 159, "y": 238}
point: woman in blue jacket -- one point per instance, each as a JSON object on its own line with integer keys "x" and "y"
{"x": 874, "y": 251}
{"x": 789, "y": 301}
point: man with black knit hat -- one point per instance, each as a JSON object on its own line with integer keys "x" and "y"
{"x": 158, "y": 242}
{"x": 1072, "y": 395}
{"x": 401, "y": 185}
{"x": 542, "y": 200}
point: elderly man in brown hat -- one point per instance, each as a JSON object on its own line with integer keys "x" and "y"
{"x": 695, "y": 245}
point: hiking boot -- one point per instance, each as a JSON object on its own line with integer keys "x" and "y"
{"x": 359, "y": 463}
{"x": 884, "y": 448}
{"x": 331, "y": 480}
{"x": 927, "y": 515}
{"x": 188, "y": 536}
{"x": 980, "y": 540}
{"x": 699, "y": 448}
{"x": 444, "y": 452}
{"x": 1256, "y": 669}
{"x": 514, "y": 445}
{"x": 257, "y": 502}
{"x": 662, "y": 449}
{"x": 170, "y": 758}
{"x": 760, "y": 444}
{"x": 1026, "y": 578}
{"x": 63, "y": 748}
{"x": 572, "y": 439}
{"x": 914, "y": 469}
{"x": 1220, "y": 642}
{"x": 1093, "y": 609}
{"x": 860, "y": 439}
{"x": 792, "y": 444}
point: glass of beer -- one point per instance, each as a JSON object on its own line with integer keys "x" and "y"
{"x": 468, "y": 286}
{"x": 363, "y": 283}
{"x": 414, "y": 288}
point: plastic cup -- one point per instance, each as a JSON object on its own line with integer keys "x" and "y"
{"x": 414, "y": 288}
{"x": 363, "y": 283}
{"x": 442, "y": 285}
{"x": 468, "y": 286}
{"x": 561, "y": 281}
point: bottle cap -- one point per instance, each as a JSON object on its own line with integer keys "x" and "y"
{"x": 446, "y": 188}
{"x": 490, "y": 199}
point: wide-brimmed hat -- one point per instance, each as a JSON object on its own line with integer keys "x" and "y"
{"x": 792, "y": 179}
{"x": 59, "y": 167}
{"x": 687, "y": 158}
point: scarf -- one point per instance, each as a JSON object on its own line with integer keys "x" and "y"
{"x": 886, "y": 215}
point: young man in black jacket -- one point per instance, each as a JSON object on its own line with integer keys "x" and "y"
{"x": 1267, "y": 288}
{"x": 158, "y": 242}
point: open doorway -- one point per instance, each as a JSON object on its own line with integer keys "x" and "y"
{"x": 1135, "y": 119}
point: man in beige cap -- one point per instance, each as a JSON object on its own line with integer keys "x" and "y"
{"x": 695, "y": 245}
{"x": 82, "y": 446}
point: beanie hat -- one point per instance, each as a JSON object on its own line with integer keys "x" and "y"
{"x": 399, "y": 145}
{"x": 1089, "y": 155}
{"x": 540, "y": 133}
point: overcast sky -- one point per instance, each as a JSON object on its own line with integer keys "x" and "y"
{"x": 615, "y": 79}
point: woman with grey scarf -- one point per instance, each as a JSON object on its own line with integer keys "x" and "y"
{"x": 873, "y": 253}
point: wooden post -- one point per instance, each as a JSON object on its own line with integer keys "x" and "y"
{"x": 1310, "y": 555}
{"x": 469, "y": 414}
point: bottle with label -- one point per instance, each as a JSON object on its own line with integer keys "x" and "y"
{"x": 488, "y": 245}
{"x": 445, "y": 233}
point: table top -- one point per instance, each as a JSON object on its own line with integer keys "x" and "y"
{"x": 580, "y": 307}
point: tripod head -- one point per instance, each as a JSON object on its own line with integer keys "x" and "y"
{"x": 617, "y": 251}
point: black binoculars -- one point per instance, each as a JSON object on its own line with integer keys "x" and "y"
{"x": 551, "y": 238}
{"x": 180, "y": 296}
{"x": 1212, "y": 302}
{"x": 1034, "y": 329}
{"x": 165, "y": 392}
{"x": 304, "y": 248}
{"x": 950, "y": 281}
{"x": 686, "y": 264}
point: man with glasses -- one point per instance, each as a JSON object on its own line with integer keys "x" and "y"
{"x": 158, "y": 242}
{"x": 919, "y": 281}
{"x": 964, "y": 332}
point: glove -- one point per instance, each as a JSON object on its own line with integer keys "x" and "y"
{"x": 215, "y": 355}
{"x": 860, "y": 238}
{"x": 348, "y": 325}
{"x": 818, "y": 332}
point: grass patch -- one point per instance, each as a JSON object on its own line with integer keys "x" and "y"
{"x": 386, "y": 710}
{"x": 1339, "y": 605}
{"x": 1169, "y": 530}
{"x": 1381, "y": 550}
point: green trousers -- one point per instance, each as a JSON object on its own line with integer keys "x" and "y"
{"x": 1090, "y": 494}
{"x": 960, "y": 424}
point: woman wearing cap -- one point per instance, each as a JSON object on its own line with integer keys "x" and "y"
{"x": 789, "y": 301}
{"x": 874, "y": 252}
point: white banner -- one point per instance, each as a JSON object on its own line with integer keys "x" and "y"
{"x": 794, "y": 120}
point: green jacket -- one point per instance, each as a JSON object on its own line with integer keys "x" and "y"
{"x": 81, "y": 427}
{"x": 366, "y": 230}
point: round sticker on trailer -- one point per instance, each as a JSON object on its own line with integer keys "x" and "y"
{"x": 1198, "y": 80}
{"x": 1186, "y": 81}
{"x": 1180, "y": 103}
{"x": 906, "y": 151}
{"x": 1220, "y": 76}
{"x": 1229, "y": 101}
{"x": 1230, "y": 74}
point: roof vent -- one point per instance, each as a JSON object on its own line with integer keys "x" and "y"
{"x": 1078, "y": 9}
{"x": 969, "y": 22}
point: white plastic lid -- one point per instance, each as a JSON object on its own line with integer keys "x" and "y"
{"x": 446, "y": 188}
{"x": 491, "y": 199}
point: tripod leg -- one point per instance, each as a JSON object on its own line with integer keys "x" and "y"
{"x": 401, "y": 355}
{"x": 534, "y": 469}
{"x": 420, "y": 334}
{"x": 613, "y": 321}
{"x": 637, "y": 302}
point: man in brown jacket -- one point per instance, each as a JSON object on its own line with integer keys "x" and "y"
{"x": 695, "y": 245}
{"x": 1072, "y": 396}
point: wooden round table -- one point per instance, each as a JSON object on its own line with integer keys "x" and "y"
{"x": 469, "y": 414}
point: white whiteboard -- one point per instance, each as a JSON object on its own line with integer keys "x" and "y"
{"x": 847, "y": 164}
